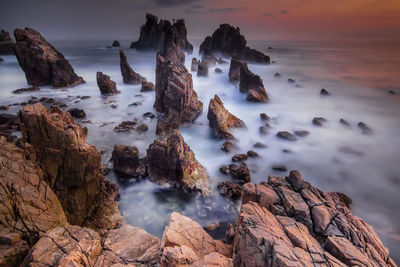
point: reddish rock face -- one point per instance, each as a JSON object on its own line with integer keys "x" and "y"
{"x": 41, "y": 62}
{"x": 106, "y": 85}
{"x": 171, "y": 162}
{"x": 128, "y": 74}
{"x": 7, "y": 45}
{"x": 253, "y": 85}
{"x": 302, "y": 226}
{"x": 221, "y": 120}
{"x": 125, "y": 160}
{"x": 234, "y": 68}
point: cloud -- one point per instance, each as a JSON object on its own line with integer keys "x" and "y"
{"x": 166, "y": 3}
{"x": 284, "y": 12}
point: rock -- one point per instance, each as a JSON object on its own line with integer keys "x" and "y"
{"x": 202, "y": 69}
{"x": 125, "y": 126}
{"x": 209, "y": 60}
{"x": 85, "y": 97}
{"x": 230, "y": 189}
{"x": 264, "y": 117}
{"x": 41, "y": 62}
{"x": 264, "y": 129}
{"x": 4, "y": 107}
{"x": 286, "y": 135}
{"x": 290, "y": 80}
{"x": 365, "y": 129}
{"x": 7, "y": 45}
{"x": 28, "y": 89}
{"x": 128, "y": 74}
{"x": 259, "y": 145}
{"x": 218, "y": 70}
{"x": 392, "y": 92}
{"x": 240, "y": 157}
{"x": 149, "y": 115}
{"x": 253, "y": 85}
{"x": 115, "y": 43}
{"x": 344, "y": 122}
{"x": 300, "y": 225}
{"x": 173, "y": 163}
{"x": 221, "y": 61}
{"x": 252, "y": 154}
{"x": 281, "y": 168}
{"x": 318, "y": 121}
{"x": 70, "y": 165}
{"x": 106, "y": 85}
{"x": 228, "y": 41}
{"x": 141, "y": 128}
{"x": 224, "y": 169}
{"x": 157, "y": 35}
{"x": 147, "y": 87}
{"x": 234, "y": 68}
{"x": 195, "y": 65}
{"x": 125, "y": 160}
{"x": 1, "y": 60}
{"x": 221, "y": 120}
{"x": 227, "y": 146}
{"x": 240, "y": 172}
{"x": 8, "y": 124}
{"x": 77, "y": 113}
{"x": 301, "y": 133}
{"x": 277, "y": 75}
{"x": 324, "y": 92}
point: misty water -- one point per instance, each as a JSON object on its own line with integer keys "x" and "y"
{"x": 333, "y": 157}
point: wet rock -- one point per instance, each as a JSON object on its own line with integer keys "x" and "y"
{"x": 351, "y": 151}
{"x": 281, "y": 168}
{"x": 106, "y": 85}
{"x": 115, "y": 43}
{"x": 77, "y": 113}
{"x": 8, "y": 124}
{"x": 41, "y": 62}
{"x": 302, "y": 226}
{"x": 4, "y": 107}
{"x": 218, "y": 70}
{"x": 264, "y": 117}
{"x": 221, "y": 120}
{"x": 277, "y": 75}
{"x": 28, "y": 89}
{"x": 234, "y": 68}
{"x": 224, "y": 169}
{"x": 125, "y": 126}
{"x": 392, "y": 92}
{"x": 173, "y": 163}
{"x": 301, "y": 133}
{"x": 365, "y": 129}
{"x": 252, "y": 154}
{"x": 324, "y": 92}
{"x": 157, "y": 35}
{"x": 240, "y": 157}
{"x": 85, "y": 97}
{"x": 228, "y": 41}
{"x": 230, "y": 189}
{"x": 128, "y": 74}
{"x": 240, "y": 172}
{"x": 7, "y": 45}
{"x": 253, "y": 85}
{"x": 221, "y": 61}
{"x": 1, "y": 60}
{"x": 149, "y": 115}
{"x": 147, "y": 87}
{"x": 125, "y": 160}
{"x": 286, "y": 135}
{"x": 290, "y": 80}
{"x": 209, "y": 60}
{"x": 195, "y": 64}
{"x": 318, "y": 121}
{"x": 202, "y": 69}
{"x": 259, "y": 145}
{"x": 141, "y": 128}
{"x": 227, "y": 146}
{"x": 344, "y": 122}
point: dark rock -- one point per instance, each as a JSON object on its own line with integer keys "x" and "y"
{"x": 1, "y": 60}
{"x": 115, "y": 43}
{"x": 224, "y": 169}
{"x": 264, "y": 117}
{"x": 286, "y": 135}
{"x": 125, "y": 160}
{"x": 221, "y": 61}
{"x": 147, "y": 87}
{"x": 240, "y": 172}
{"x": 230, "y": 189}
{"x": 7, "y": 45}
{"x": 202, "y": 69}
{"x": 324, "y": 92}
{"x": 141, "y": 128}
{"x": 8, "y": 124}
{"x": 173, "y": 163}
{"x": 291, "y": 80}
{"x": 4, "y": 107}
{"x": 41, "y": 62}
{"x": 125, "y": 126}
{"x": 240, "y": 157}
{"x": 259, "y": 145}
{"x": 195, "y": 64}
{"x": 270, "y": 48}
{"x": 301, "y": 133}
{"x": 253, "y": 85}
{"x": 227, "y": 146}
{"x": 281, "y": 168}
{"x": 209, "y": 60}
{"x": 218, "y": 70}
{"x": 344, "y": 122}
{"x": 264, "y": 129}
{"x": 221, "y": 120}
{"x": 85, "y": 97}
{"x": 252, "y": 154}
{"x": 28, "y": 89}
{"x": 318, "y": 121}
{"x": 128, "y": 74}
{"x": 106, "y": 85}
{"x": 392, "y": 92}
{"x": 277, "y": 75}
{"x": 365, "y": 129}
{"x": 234, "y": 68}
{"x": 77, "y": 113}
{"x": 149, "y": 115}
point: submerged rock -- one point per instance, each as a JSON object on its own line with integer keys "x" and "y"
{"x": 253, "y": 85}
{"x": 318, "y": 121}
{"x": 324, "y": 92}
{"x": 195, "y": 65}
{"x": 344, "y": 122}
{"x": 106, "y": 85}
{"x": 240, "y": 172}
{"x": 125, "y": 126}
{"x": 173, "y": 163}
{"x": 77, "y": 113}
{"x": 221, "y": 120}
{"x": 115, "y": 43}
{"x": 202, "y": 69}
{"x": 128, "y": 74}
{"x": 28, "y": 89}
{"x": 234, "y": 68}
{"x": 286, "y": 135}
{"x": 7, "y": 45}
{"x": 41, "y": 62}
{"x": 227, "y": 146}
{"x": 218, "y": 70}
{"x": 365, "y": 129}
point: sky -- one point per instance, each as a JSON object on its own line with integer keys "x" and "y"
{"x": 257, "y": 19}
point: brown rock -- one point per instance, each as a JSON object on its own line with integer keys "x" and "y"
{"x": 240, "y": 157}
{"x": 221, "y": 120}
{"x": 252, "y": 154}
{"x": 28, "y": 89}
{"x": 227, "y": 146}
{"x": 77, "y": 113}
{"x": 147, "y": 87}
{"x": 318, "y": 121}
{"x": 128, "y": 74}
{"x": 202, "y": 69}
{"x": 106, "y": 85}
{"x": 7, "y": 45}
{"x": 141, "y": 128}
{"x": 234, "y": 68}
{"x": 230, "y": 189}
{"x": 125, "y": 126}
{"x": 253, "y": 85}
{"x": 264, "y": 117}
{"x": 41, "y": 62}
{"x": 286, "y": 135}
{"x": 240, "y": 172}
{"x": 125, "y": 160}
{"x": 224, "y": 169}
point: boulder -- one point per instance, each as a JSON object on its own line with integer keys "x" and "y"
{"x": 240, "y": 172}
{"x": 230, "y": 189}
{"x": 125, "y": 160}
{"x": 365, "y": 129}
{"x": 147, "y": 87}
{"x": 286, "y": 136}
{"x": 318, "y": 121}
{"x": 195, "y": 65}
{"x": 171, "y": 162}
{"x": 218, "y": 70}
{"x": 41, "y": 62}
{"x": 128, "y": 74}
{"x": 221, "y": 120}
{"x": 227, "y": 146}
{"x": 300, "y": 225}
{"x": 202, "y": 68}
{"x": 125, "y": 126}
{"x": 106, "y": 85}
{"x": 253, "y": 85}
{"x": 7, "y": 45}
{"x": 234, "y": 68}
{"x": 77, "y": 113}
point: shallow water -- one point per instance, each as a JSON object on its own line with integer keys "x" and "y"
{"x": 332, "y": 157}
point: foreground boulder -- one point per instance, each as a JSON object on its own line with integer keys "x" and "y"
{"x": 106, "y": 85}
{"x": 253, "y": 85}
{"x": 154, "y": 35}
{"x": 7, "y": 45}
{"x": 41, "y": 62}
{"x": 288, "y": 222}
{"x": 171, "y": 162}
{"x": 128, "y": 74}
{"x": 221, "y": 120}
{"x": 228, "y": 41}
{"x": 234, "y": 68}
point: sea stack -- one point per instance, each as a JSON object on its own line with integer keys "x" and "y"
{"x": 128, "y": 74}
{"x": 106, "y": 85}
{"x": 7, "y": 45}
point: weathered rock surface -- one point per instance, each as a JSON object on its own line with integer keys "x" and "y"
{"x": 106, "y": 85}
{"x": 234, "y": 68}
{"x": 253, "y": 85}
{"x": 230, "y": 189}
{"x": 8, "y": 124}
{"x": 7, "y": 45}
{"x": 240, "y": 172}
{"x": 41, "y": 62}
{"x": 171, "y": 162}
{"x": 126, "y": 161}
{"x": 77, "y": 113}
{"x": 147, "y": 87}
{"x": 228, "y": 41}
{"x": 157, "y": 35}
{"x": 128, "y": 74}
{"x": 288, "y": 222}
{"x": 221, "y": 120}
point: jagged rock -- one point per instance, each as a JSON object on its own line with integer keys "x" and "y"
{"x": 70, "y": 165}
{"x": 147, "y": 87}
{"x": 228, "y": 41}
{"x": 7, "y": 45}
{"x": 106, "y": 85}
{"x": 230, "y": 189}
{"x": 234, "y": 68}
{"x": 29, "y": 207}
{"x": 195, "y": 64}
{"x": 240, "y": 172}
{"x": 300, "y": 225}
{"x": 158, "y": 35}
{"x": 365, "y": 129}
{"x": 253, "y": 85}
{"x": 41, "y": 62}
{"x": 286, "y": 135}
{"x": 175, "y": 96}
{"x": 318, "y": 121}
{"x": 125, "y": 160}
{"x": 324, "y": 92}
{"x": 173, "y": 163}
{"x": 128, "y": 74}
{"x": 125, "y": 126}
{"x": 77, "y": 113}
{"x": 264, "y": 117}
{"x": 28, "y": 89}
{"x": 202, "y": 69}
{"x": 184, "y": 242}
{"x": 218, "y": 70}
{"x": 115, "y": 43}
{"x": 221, "y": 120}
